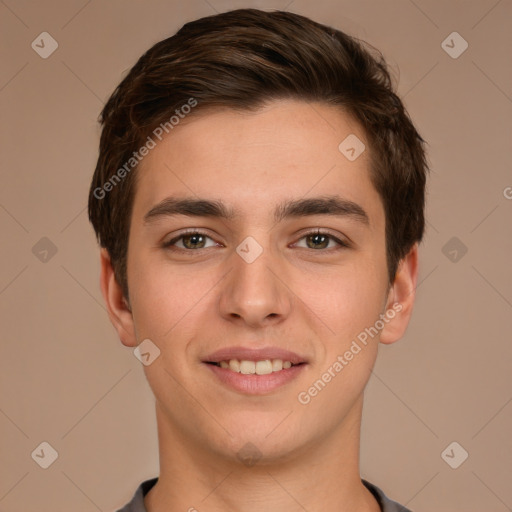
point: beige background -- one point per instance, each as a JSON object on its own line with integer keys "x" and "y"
{"x": 67, "y": 380}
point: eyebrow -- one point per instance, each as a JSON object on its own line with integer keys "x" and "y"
{"x": 198, "y": 207}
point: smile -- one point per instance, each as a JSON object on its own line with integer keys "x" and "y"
{"x": 263, "y": 367}
{"x": 255, "y": 377}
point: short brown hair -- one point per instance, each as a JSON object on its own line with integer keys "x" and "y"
{"x": 241, "y": 59}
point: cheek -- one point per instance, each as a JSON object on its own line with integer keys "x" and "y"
{"x": 351, "y": 309}
{"x": 165, "y": 296}
{"x": 348, "y": 301}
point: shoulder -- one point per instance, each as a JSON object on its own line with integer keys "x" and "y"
{"x": 136, "y": 504}
{"x": 385, "y": 503}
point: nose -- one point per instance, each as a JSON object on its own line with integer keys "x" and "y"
{"x": 254, "y": 293}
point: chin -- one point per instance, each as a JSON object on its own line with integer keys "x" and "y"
{"x": 252, "y": 444}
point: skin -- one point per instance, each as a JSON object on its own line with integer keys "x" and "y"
{"x": 314, "y": 301}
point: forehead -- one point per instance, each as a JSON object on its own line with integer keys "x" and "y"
{"x": 253, "y": 160}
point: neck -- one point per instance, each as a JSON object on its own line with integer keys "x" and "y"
{"x": 323, "y": 476}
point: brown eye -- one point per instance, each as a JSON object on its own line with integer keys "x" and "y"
{"x": 318, "y": 241}
{"x": 194, "y": 241}
{"x": 189, "y": 241}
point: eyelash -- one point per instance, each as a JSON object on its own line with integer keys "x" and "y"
{"x": 170, "y": 244}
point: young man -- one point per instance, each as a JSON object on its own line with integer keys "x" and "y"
{"x": 259, "y": 200}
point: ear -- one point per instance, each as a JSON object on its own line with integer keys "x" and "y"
{"x": 117, "y": 306}
{"x": 401, "y": 297}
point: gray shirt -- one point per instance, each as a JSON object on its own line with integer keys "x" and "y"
{"x": 137, "y": 502}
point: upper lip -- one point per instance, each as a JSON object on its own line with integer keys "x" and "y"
{"x": 252, "y": 354}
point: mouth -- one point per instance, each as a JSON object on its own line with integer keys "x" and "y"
{"x": 255, "y": 371}
{"x": 261, "y": 367}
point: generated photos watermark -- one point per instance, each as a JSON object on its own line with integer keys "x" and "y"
{"x": 133, "y": 161}
{"x": 305, "y": 397}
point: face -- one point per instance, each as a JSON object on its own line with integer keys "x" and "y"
{"x": 256, "y": 243}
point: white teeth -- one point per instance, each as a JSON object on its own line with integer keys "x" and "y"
{"x": 264, "y": 367}
{"x": 234, "y": 365}
{"x": 256, "y": 367}
{"x": 247, "y": 367}
{"x": 277, "y": 365}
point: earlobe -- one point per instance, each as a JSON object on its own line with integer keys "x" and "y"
{"x": 119, "y": 310}
{"x": 401, "y": 297}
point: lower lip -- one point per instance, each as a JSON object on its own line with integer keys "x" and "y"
{"x": 256, "y": 384}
